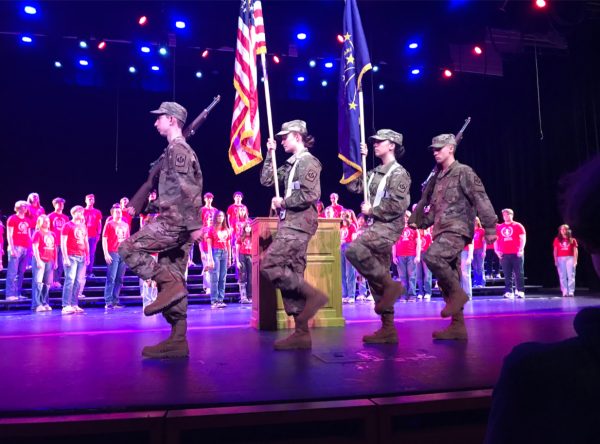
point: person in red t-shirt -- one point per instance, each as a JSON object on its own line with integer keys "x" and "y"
{"x": 208, "y": 209}
{"x": 76, "y": 256}
{"x": 219, "y": 247}
{"x": 466, "y": 258}
{"x": 243, "y": 260}
{"x": 18, "y": 237}
{"x": 406, "y": 255}
{"x": 334, "y": 210}
{"x": 148, "y": 288}
{"x": 424, "y": 275}
{"x": 348, "y": 227}
{"x": 34, "y": 210}
{"x": 45, "y": 246}
{"x": 235, "y": 209}
{"x": 57, "y": 221}
{"x": 479, "y": 245}
{"x": 510, "y": 248}
{"x": 565, "y": 259}
{"x": 93, "y": 221}
{"x": 115, "y": 231}
{"x": 320, "y": 209}
{"x": 127, "y": 218}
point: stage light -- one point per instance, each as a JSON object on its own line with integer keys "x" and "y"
{"x": 101, "y": 45}
{"x": 301, "y": 36}
{"x": 83, "y": 44}
{"x": 375, "y": 68}
{"x": 381, "y": 87}
{"x": 84, "y": 62}
{"x": 300, "y": 79}
{"x": 340, "y": 38}
{"x": 30, "y": 10}
{"x": 205, "y": 53}
{"x": 447, "y": 73}
{"x": 155, "y": 68}
{"x": 324, "y": 83}
{"x": 132, "y": 69}
{"x": 276, "y": 59}
{"x": 413, "y": 45}
{"x": 143, "y": 20}
{"x": 26, "y": 39}
{"x": 415, "y": 71}
{"x": 312, "y": 63}
{"x": 328, "y": 65}
{"x": 179, "y": 24}
{"x": 198, "y": 74}
{"x": 477, "y": 50}
{"x": 57, "y": 64}
{"x": 162, "y": 51}
{"x": 540, "y": 3}
{"x": 145, "y": 49}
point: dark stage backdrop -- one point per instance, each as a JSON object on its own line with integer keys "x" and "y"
{"x": 69, "y": 140}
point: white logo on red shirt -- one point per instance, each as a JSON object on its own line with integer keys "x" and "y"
{"x": 506, "y": 232}
{"x": 49, "y": 241}
{"x": 23, "y": 227}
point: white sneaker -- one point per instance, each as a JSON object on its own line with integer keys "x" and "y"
{"x": 47, "y": 307}
{"x": 81, "y": 296}
{"x": 427, "y": 297}
{"x": 68, "y": 310}
{"x": 77, "y": 309}
{"x": 12, "y": 298}
{"x": 509, "y": 295}
{"x": 344, "y": 300}
{"x": 222, "y": 304}
{"x": 40, "y": 308}
{"x": 419, "y": 296}
{"x": 214, "y": 305}
{"x": 520, "y": 294}
{"x": 351, "y": 301}
{"x": 360, "y": 298}
{"x": 370, "y": 298}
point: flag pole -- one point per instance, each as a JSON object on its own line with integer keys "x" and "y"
{"x": 270, "y": 120}
{"x": 362, "y": 140}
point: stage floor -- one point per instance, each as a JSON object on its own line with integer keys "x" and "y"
{"x": 52, "y": 363}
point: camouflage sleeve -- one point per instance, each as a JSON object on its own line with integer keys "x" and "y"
{"x": 309, "y": 183}
{"x": 140, "y": 198}
{"x": 266, "y": 174}
{"x": 473, "y": 188}
{"x": 356, "y": 186}
{"x": 184, "y": 163}
{"x": 396, "y": 199}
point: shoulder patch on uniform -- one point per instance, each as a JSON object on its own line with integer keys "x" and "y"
{"x": 180, "y": 159}
{"x": 402, "y": 187}
{"x": 311, "y": 175}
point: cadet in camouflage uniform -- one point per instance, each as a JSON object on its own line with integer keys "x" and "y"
{"x": 284, "y": 261}
{"x": 450, "y": 201}
{"x": 370, "y": 253}
{"x": 171, "y": 233}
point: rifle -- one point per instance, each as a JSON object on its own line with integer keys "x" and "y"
{"x": 138, "y": 201}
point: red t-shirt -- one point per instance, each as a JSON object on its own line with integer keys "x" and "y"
{"x": 509, "y": 237}
{"x": 478, "y": 238}
{"x": 33, "y": 214}
{"x": 564, "y": 247}
{"x": 347, "y": 233}
{"x": 407, "y": 244}
{"x": 20, "y": 236}
{"x": 426, "y": 240}
{"x": 333, "y": 211}
{"x": 115, "y": 233}
{"x": 233, "y": 213}
{"x": 467, "y": 247}
{"x": 219, "y": 238}
{"x": 76, "y": 238}
{"x": 57, "y": 222}
{"x": 203, "y": 242}
{"x": 93, "y": 218}
{"x": 46, "y": 244}
{"x": 245, "y": 245}
{"x": 125, "y": 217}
{"x": 205, "y": 212}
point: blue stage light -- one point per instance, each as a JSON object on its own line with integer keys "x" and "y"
{"x": 84, "y": 62}
{"x": 145, "y": 49}
{"x": 301, "y": 36}
{"x": 30, "y": 10}
{"x": 162, "y": 51}
{"x": 132, "y": 69}
{"x": 198, "y": 74}
{"x": 413, "y": 45}
{"x": 375, "y": 68}
{"x": 381, "y": 87}
{"x": 155, "y": 68}
{"x": 83, "y": 44}
{"x": 300, "y": 79}
{"x": 57, "y": 64}
{"x": 26, "y": 39}
{"x": 179, "y": 24}
{"x": 312, "y": 63}
{"x": 324, "y": 83}
{"x": 329, "y": 65}
{"x": 416, "y": 72}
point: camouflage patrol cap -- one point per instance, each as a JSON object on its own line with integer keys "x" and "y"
{"x": 442, "y": 140}
{"x": 297, "y": 126}
{"x": 388, "y": 134}
{"x": 172, "y": 109}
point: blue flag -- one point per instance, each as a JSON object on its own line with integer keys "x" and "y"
{"x": 353, "y": 64}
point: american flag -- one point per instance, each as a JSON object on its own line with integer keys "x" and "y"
{"x": 244, "y": 150}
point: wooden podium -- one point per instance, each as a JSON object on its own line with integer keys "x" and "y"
{"x": 323, "y": 270}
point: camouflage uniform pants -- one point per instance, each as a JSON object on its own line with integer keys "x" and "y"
{"x": 172, "y": 245}
{"x": 371, "y": 255}
{"x": 443, "y": 259}
{"x": 284, "y": 263}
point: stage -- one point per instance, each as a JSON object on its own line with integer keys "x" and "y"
{"x": 66, "y": 364}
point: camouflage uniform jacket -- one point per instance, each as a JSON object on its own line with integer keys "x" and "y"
{"x": 458, "y": 196}
{"x": 179, "y": 186}
{"x": 396, "y": 198}
{"x": 301, "y": 206}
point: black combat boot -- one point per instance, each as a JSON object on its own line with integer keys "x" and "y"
{"x": 387, "y": 334}
{"x": 171, "y": 289}
{"x": 456, "y": 330}
{"x": 299, "y": 340}
{"x": 175, "y": 346}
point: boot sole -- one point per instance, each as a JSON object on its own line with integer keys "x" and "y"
{"x": 383, "y": 341}
{"x": 169, "y": 355}
{"x": 303, "y": 347}
{"x": 442, "y": 337}
{"x": 153, "y": 309}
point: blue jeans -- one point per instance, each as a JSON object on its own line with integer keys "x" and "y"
{"x": 478, "y": 278}
{"x": 59, "y": 266}
{"x": 218, "y": 275}
{"x": 465, "y": 274}
{"x": 42, "y": 277}
{"x": 114, "y": 279}
{"x": 511, "y": 263}
{"x": 74, "y": 280}
{"x": 93, "y": 243}
{"x": 15, "y": 271}
{"x": 348, "y": 275}
{"x": 566, "y": 274}
{"x": 407, "y": 272}
{"x": 423, "y": 278}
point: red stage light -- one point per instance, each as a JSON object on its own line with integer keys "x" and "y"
{"x": 540, "y": 3}
{"x": 143, "y": 20}
{"x": 276, "y": 59}
{"x": 340, "y": 38}
{"x": 205, "y": 53}
{"x": 477, "y": 50}
{"x": 447, "y": 73}
{"x": 102, "y": 45}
